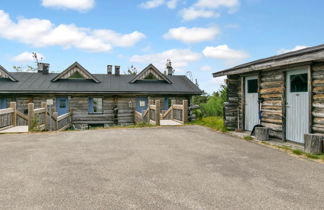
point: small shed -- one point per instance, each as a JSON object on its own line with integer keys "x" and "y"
{"x": 284, "y": 93}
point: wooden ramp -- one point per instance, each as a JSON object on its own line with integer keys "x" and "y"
{"x": 16, "y": 129}
{"x": 169, "y": 122}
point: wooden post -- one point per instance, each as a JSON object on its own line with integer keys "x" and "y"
{"x": 185, "y": 111}
{"x": 173, "y": 102}
{"x": 31, "y": 115}
{"x": 157, "y": 112}
{"x": 44, "y": 105}
{"x": 283, "y": 106}
{"x": 55, "y": 115}
{"x": 242, "y": 125}
{"x": 14, "y": 114}
{"x": 310, "y": 99}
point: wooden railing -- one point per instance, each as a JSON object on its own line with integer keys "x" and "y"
{"x": 7, "y": 117}
{"x": 37, "y": 119}
{"x": 177, "y": 112}
{"x": 153, "y": 115}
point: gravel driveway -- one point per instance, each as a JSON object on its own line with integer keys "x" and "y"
{"x": 188, "y": 167}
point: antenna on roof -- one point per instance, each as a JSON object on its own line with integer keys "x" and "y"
{"x": 35, "y": 56}
{"x": 189, "y": 75}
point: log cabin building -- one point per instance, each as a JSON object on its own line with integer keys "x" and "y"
{"x": 284, "y": 93}
{"x": 94, "y": 99}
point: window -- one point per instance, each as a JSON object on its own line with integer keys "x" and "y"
{"x": 3, "y": 103}
{"x": 62, "y": 103}
{"x": 252, "y": 86}
{"x": 298, "y": 83}
{"x": 142, "y": 103}
{"x": 95, "y": 105}
{"x": 76, "y": 75}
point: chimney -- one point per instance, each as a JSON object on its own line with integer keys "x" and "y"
{"x": 117, "y": 70}
{"x": 169, "y": 67}
{"x": 43, "y": 68}
{"x": 109, "y": 69}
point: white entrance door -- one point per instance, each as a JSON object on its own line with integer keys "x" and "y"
{"x": 297, "y": 105}
{"x": 251, "y": 102}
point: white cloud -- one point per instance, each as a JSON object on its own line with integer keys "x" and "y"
{"x": 298, "y": 47}
{"x": 206, "y": 9}
{"x": 180, "y": 58}
{"x": 206, "y": 68}
{"x": 216, "y": 3}
{"x": 43, "y": 33}
{"x": 172, "y": 4}
{"x": 194, "y": 13}
{"x": 192, "y": 35}
{"x": 25, "y": 57}
{"x": 223, "y": 52}
{"x": 151, "y": 4}
{"x": 217, "y": 82}
{"x": 120, "y": 40}
{"x": 81, "y": 5}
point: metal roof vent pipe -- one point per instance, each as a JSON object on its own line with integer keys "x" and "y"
{"x": 109, "y": 69}
{"x": 43, "y": 68}
{"x": 117, "y": 70}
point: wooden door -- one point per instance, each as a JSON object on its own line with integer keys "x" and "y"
{"x": 251, "y": 102}
{"x": 297, "y": 105}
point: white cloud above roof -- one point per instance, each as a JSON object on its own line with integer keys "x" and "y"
{"x": 192, "y": 13}
{"x": 43, "y": 33}
{"x": 180, "y": 58}
{"x": 224, "y": 53}
{"x": 192, "y": 35}
{"x": 80, "y": 5}
{"x": 298, "y": 47}
{"x": 26, "y": 57}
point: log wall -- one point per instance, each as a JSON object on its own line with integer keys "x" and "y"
{"x": 232, "y": 106}
{"x": 318, "y": 98}
{"x": 272, "y": 92}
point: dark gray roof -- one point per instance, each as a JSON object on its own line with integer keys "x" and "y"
{"x": 299, "y": 56}
{"x": 41, "y": 83}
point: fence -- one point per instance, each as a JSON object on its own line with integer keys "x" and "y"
{"x": 153, "y": 115}
{"x": 37, "y": 119}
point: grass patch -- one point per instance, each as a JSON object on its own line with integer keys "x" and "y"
{"x": 284, "y": 148}
{"x": 248, "y": 138}
{"x": 216, "y": 123}
{"x": 311, "y": 156}
{"x": 297, "y": 152}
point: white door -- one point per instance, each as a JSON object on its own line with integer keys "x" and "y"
{"x": 251, "y": 102}
{"x": 297, "y": 105}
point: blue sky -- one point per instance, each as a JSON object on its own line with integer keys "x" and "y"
{"x": 200, "y": 36}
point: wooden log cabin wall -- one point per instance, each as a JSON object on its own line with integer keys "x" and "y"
{"x": 272, "y": 92}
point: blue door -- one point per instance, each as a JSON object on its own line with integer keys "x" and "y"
{"x": 3, "y": 103}
{"x": 166, "y": 103}
{"x": 62, "y": 106}
{"x": 141, "y": 104}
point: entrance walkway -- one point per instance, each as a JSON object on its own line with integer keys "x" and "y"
{"x": 16, "y": 129}
{"x": 169, "y": 122}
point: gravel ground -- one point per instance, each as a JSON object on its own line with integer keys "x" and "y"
{"x": 187, "y": 167}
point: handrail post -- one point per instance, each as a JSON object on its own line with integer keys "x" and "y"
{"x": 157, "y": 112}
{"x": 44, "y": 105}
{"x": 13, "y": 105}
{"x": 173, "y": 102}
{"x": 185, "y": 111}
{"x": 55, "y": 115}
{"x": 31, "y": 115}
